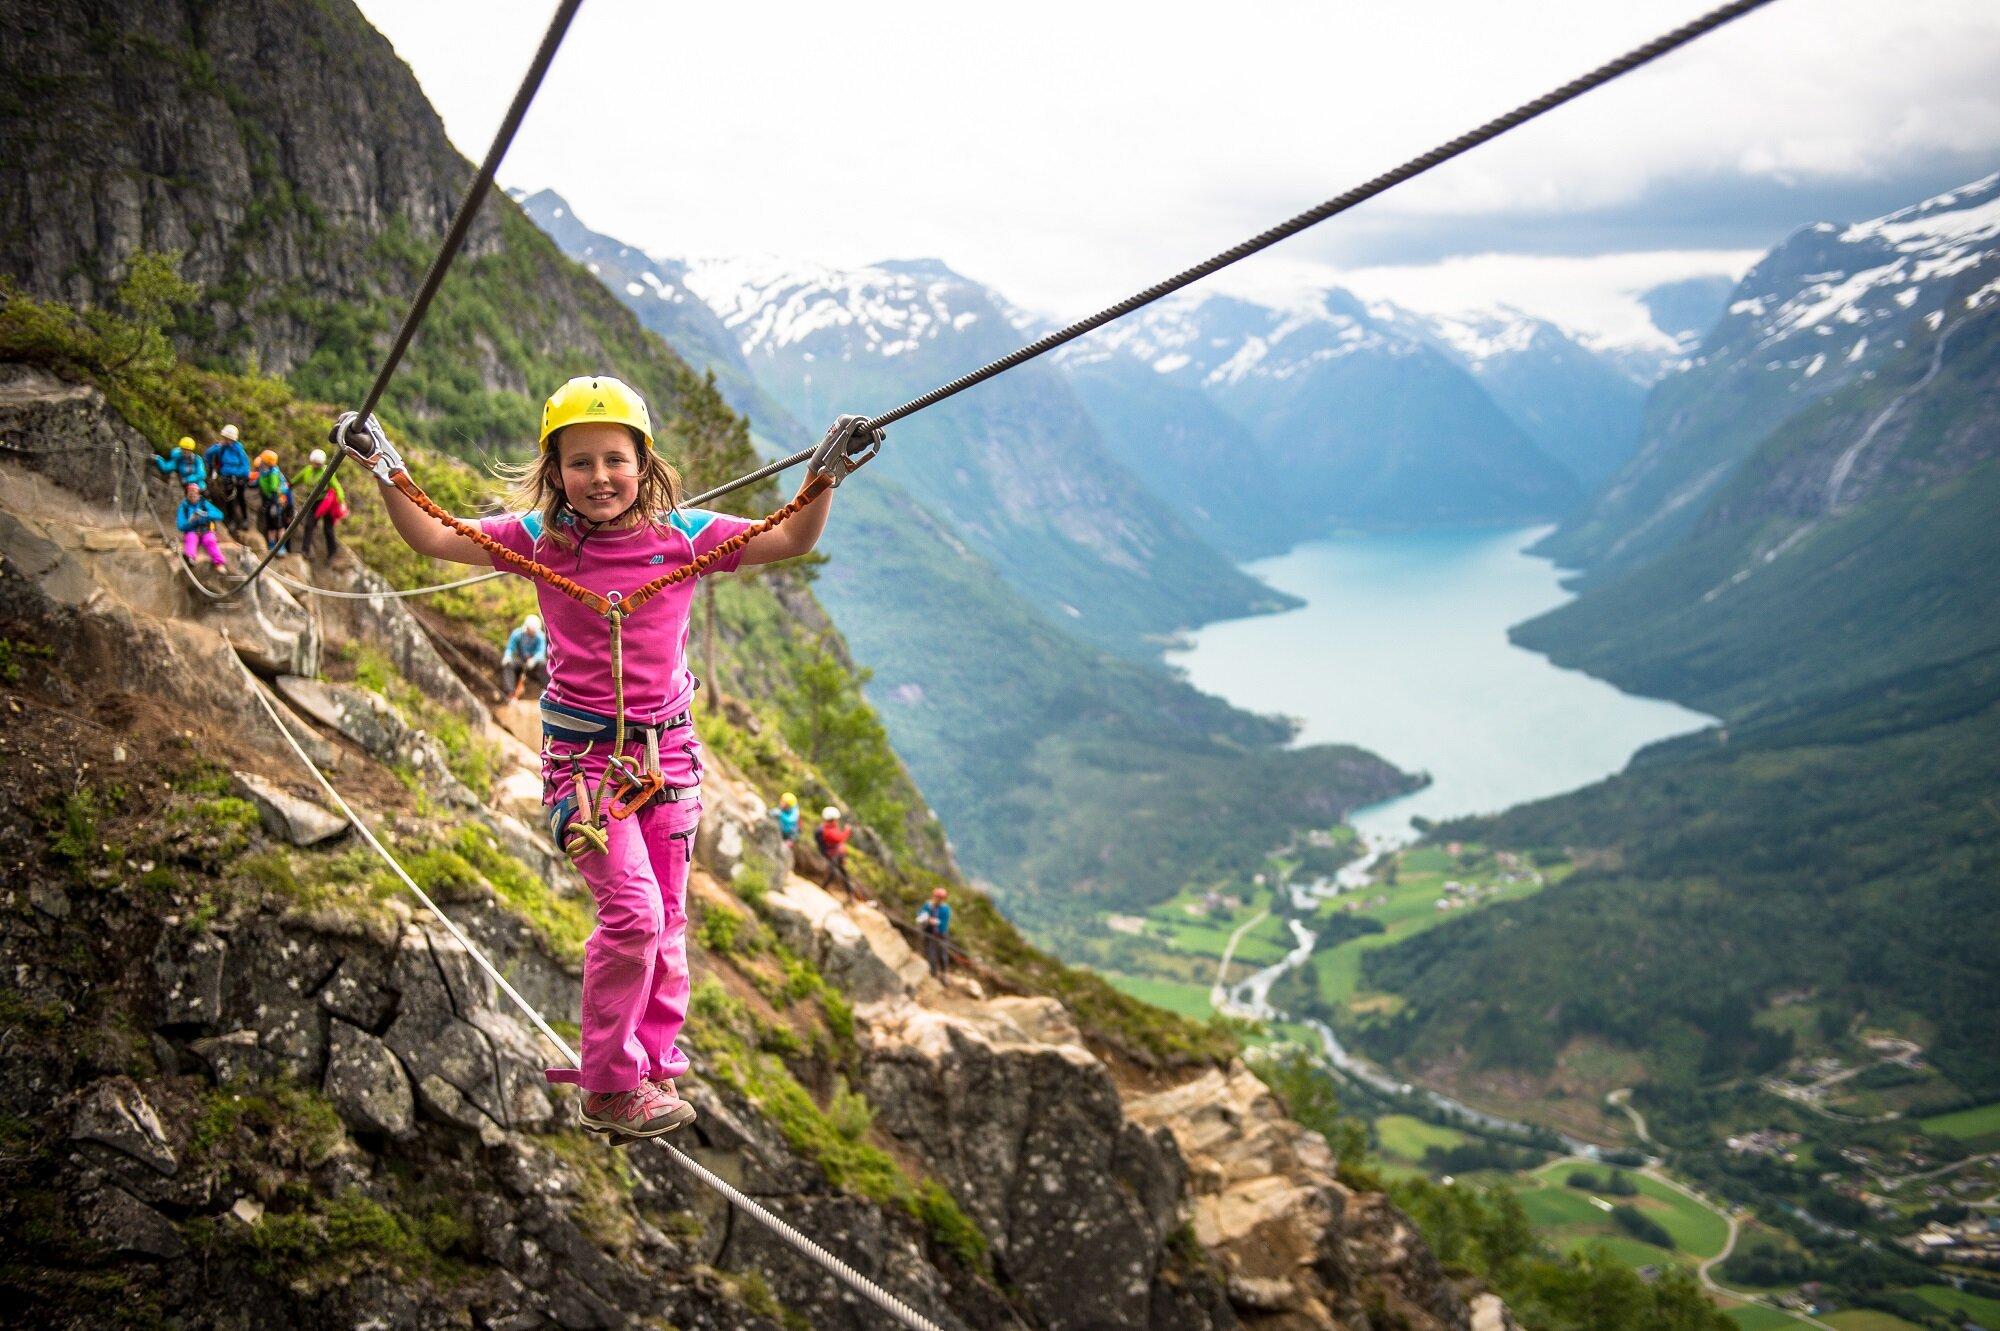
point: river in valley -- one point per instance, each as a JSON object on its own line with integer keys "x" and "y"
{"x": 1401, "y": 647}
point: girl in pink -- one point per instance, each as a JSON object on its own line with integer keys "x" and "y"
{"x": 196, "y": 518}
{"x": 601, "y": 507}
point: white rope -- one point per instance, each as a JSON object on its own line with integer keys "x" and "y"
{"x": 296, "y": 586}
{"x": 798, "y": 1242}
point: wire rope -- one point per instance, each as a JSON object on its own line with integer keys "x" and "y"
{"x": 391, "y": 595}
{"x": 1416, "y": 166}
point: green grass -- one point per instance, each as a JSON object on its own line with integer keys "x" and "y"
{"x": 1189, "y": 1000}
{"x": 1967, "y": 1124}
{"x": 1558, "y": 1208}
{"x": 1697, "y": 1230}
{"x": 1406, "y": 1138}
{"x": 1868, "y": 1319}
{"x": 1984, "y": 1311}
{"x": 1756, "y": 1317}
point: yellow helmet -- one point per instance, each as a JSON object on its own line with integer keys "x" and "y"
{"x": 596, "y": 397}
{"x": 188, "y": 444}
{"x": 789, "y": 800}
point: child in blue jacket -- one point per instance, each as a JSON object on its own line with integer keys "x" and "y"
{"x": 196, "y": 518}
{"x": 184, "y": 464}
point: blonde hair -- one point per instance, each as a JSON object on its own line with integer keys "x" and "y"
{"x": 536, "y": 487}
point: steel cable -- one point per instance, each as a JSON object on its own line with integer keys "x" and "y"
{"x": 454, "y": 240}
{"x": 1388, "y": 180}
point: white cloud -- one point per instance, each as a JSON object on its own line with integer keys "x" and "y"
{"x": 1068, "y": 154}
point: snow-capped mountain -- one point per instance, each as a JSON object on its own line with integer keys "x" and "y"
{"x": 1828, "y": 307}
{"x": 1582, "y": 407}
{"x": 1360, "y": 415}
{"x": 1016, "y": 466}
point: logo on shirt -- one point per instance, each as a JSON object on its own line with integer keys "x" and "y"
{"x": 657, "y": 559}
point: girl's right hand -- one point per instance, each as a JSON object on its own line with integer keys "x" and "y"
{"x": 367, "y": 443}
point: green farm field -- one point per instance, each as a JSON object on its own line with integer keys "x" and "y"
{"x": 1757, "y": 1317}
{"x": 1984, "y": 1311}
{"x": 1406, "y": 1138}
{"x": 1572, "y": 1218}
{"x": 1408, "y": 908}
{"x": 1969, "y": 1125}
{"x": 1868, "y": 1319}
{"x": 1189, "y": 1000}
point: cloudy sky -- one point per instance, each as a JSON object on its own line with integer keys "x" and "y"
{"x": 1069, "y": 153}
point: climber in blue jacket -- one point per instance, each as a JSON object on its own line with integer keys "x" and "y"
{"x": 229, "y": 475}
{"x": 184, "y": 465}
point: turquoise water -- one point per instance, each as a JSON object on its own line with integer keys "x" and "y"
{"x": 1402, "y": 648}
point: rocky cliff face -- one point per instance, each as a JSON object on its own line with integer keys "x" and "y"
{"x": 248, "y": 1084}
{"x": 291, "y": 159}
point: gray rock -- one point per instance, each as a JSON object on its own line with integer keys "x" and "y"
{"x": 368, "y": 720}
{"x": 359, "y": 992}
{"x": 189, "y": 969}
{"x": 366, "y": 1083}
{"x": 123, "y": 1223}
{"x": 237, "y": 1059}
{"x": 285, "y": 815}
{"x": 117, "y": 1114}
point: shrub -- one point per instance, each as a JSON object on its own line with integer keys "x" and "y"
{"x": 1642, "y": 1226}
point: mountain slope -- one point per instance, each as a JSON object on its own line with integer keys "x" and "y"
{"x": 1835, "y": 841}
{"x": 1015, "y": 467}
{"x": 1578, "y": 407}
{"x": 1850, "y": 546}
{"x": 290, "y": 158}
{"x": 1359, "y": 418}
{"x": 1827, "y": 307}
{"x": 1007, "y": 720}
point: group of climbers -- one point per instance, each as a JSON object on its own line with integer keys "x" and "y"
{"x": 226, "y": 472}
{"x": 831, "y": 836}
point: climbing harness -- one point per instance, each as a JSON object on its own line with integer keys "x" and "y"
{"x": 792, "y": 1238}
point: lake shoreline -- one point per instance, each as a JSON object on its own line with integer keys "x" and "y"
{"x": 1442, "y": 689}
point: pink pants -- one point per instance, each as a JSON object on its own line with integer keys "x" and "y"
{"x": 635, "y": 970}
{"x": 205, "y": 541}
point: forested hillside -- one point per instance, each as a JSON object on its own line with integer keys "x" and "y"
{"x": 1832, "y": 848}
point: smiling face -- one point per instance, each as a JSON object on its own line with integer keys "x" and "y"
{"x": 599, "y": 467}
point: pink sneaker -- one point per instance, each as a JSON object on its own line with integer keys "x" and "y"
{"x": 648, "y": 1111}
{"x": 665, "y": 1086}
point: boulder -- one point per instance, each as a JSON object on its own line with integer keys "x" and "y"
{"x": 473, "y": 1066}
{"x": 870, "y": 961}
{"x": 366, "y": 1083}
{"x": 1032, "y": 1141}
{"x": 359, "y": 991}
{"x": 117, "y": 1114}
{"x": 188, "y": 967}
{"x": 123, "y": 1223}
{"x": 287, "y": 816}
{"x": 368, "y": 720}
{"x": 388, "y": 623}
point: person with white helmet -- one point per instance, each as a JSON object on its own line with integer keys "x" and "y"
{"x": 332, "y": 506}
{"x": 229, "y": 477}
{"x": 526, "y": 658}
